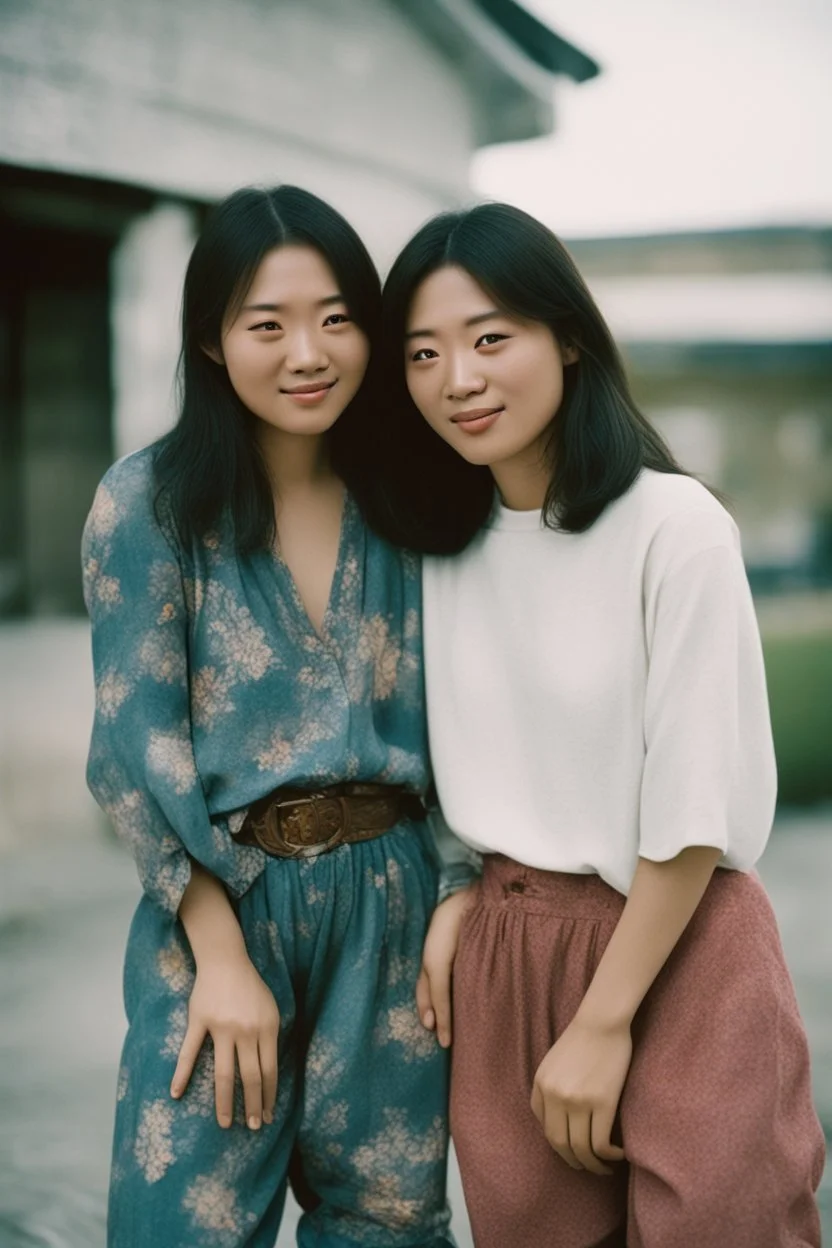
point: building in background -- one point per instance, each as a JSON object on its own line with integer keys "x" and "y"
{"x": 119, "y": 123}
{"x": 728, "y": 338}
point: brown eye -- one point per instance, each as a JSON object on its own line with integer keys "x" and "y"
{"x": 489, "y": 340}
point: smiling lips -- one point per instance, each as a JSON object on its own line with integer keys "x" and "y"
{"x": 310, "y": 392}
{"x": 477, "y": 420}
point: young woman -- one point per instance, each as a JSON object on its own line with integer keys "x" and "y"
{"x": 260, "y": 743}
{"x": 629, "y": 1065}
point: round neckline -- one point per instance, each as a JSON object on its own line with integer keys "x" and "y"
{"x": 506, "y": 518}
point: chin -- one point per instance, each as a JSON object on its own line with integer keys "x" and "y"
{"x": 305, "y": 423}
{"x": 481, "y": 455}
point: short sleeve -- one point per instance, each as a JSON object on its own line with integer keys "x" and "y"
{"x": 709, "y": 774}
{"x": 141, "y": 767}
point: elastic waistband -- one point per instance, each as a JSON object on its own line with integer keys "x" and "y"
{"x": 505, "y": 881}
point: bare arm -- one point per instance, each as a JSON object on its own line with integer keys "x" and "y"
{"x": 209, "y": 919}
{"x": 579, "y": 1082}
{"x": 662, "y": 901}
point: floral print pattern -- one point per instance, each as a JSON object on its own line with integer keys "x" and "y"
{"x": 362, "y": 1086}
{"x": 212, "y": 688}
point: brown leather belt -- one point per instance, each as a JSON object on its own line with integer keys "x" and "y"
{"x": 300, "y": 823}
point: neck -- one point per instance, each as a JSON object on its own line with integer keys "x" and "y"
{"x": 295, "y": 462}
{"x": 524, "y": 479}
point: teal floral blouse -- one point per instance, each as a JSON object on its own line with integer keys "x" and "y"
{"x": 213, "y": 688}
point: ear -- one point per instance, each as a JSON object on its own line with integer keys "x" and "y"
{"x": 214, "y": 353}
{"x": 568, "y": 352}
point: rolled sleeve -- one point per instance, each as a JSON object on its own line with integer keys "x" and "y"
{"x": 459, "y": 865}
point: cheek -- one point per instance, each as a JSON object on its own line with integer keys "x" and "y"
{"x": 244, "y": 366}
{"x": 534, "y": 380}
{"x": 353, "y": 355}
{"x": 422, "y": 392}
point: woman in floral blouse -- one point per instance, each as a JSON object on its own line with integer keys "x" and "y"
{"x": 252, "y": 634}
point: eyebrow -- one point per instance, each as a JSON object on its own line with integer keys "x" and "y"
{"x": 472, "y": 320}
{"x": 281, "y": 307}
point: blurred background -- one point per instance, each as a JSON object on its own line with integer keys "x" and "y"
{"x": 681, "y": 149}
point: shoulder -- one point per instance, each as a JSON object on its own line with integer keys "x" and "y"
{"x": 125, "y": 498}
{"x": 679, "y": 518}
{"x": 129, "y": 481}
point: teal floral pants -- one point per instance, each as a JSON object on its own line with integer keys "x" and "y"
{"x": 362, "y": 1086}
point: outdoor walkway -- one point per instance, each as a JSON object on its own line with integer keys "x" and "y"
{"x": 63, "y": 922}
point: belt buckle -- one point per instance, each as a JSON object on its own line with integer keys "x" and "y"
{"x": 299, "y": 823}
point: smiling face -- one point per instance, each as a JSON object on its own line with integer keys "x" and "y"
{"x": 293, "y": 355}
{"x": 489, "y": 383}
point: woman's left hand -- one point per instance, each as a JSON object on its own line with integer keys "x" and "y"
{"x": 576, "y": 1092}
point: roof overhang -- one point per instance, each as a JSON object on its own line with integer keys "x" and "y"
{"x": 508, "y": 57}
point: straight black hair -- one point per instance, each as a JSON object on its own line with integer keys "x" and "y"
{"x": 209, "y": 464}
{"x": 434, "y": 501}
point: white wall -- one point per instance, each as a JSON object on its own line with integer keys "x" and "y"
{"x": 196, "y": 97}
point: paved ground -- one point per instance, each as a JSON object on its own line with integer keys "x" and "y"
{"x": 63, "y": 922}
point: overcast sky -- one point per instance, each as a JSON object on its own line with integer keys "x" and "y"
{"x": 707, "y": 113}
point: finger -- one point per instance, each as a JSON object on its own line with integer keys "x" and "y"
{"x": 248, "y": 1060}
{"x": 268, "y": 1068}
{"x": 556, "y": 1130}
{"x": 579, "y": 1123}
{"x": 423, "y": 1001}
{"x": 191, "y": 1045}
{"x": 224, "y": 1080}
{"x": 440, "y": 991}
{"x": 538, "y": 1107}
{"x": 600, "y": 1132}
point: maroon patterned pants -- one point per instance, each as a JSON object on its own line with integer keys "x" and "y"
{"x": 723, "y": 1146}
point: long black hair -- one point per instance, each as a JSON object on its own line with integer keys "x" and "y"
{"x": 434, "y": 500}
{"x": 209, "y": 464}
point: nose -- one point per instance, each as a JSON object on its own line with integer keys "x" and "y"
{"x": 305, "y": 353}
{"x": 463, "y": 377}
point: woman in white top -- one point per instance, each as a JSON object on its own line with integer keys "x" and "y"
{"x": 629, "y": 1062}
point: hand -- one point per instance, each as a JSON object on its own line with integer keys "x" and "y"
{"x": 576, "y": 1092}
{"x": 232, "y": 1004}
{"x": 433, "y": 987}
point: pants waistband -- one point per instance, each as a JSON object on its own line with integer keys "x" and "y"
{"x": 565, "y": 893}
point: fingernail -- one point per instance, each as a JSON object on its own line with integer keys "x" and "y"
{"x": 254, "y": 1122}
{"x": 267, "y": 1117}
{"x": 225, "y": 1121}
{"x": 430, "y": 1020}
{"x": 174, "y": 1089}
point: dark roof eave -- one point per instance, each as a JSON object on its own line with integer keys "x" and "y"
{"x": 538, "y": 41}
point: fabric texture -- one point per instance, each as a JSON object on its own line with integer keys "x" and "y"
{"x": 723, "y": 1146}
{"x": 362, "y": 1094}
{"x": 213, "y": 688}
{"x": 609, "y": 684}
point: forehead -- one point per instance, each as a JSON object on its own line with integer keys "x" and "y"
{"x": 448, "y": 295}
{"x": 292, "y": 272}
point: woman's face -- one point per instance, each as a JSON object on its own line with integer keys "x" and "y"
{"x": 488, "y": 383}
{"x": 293, "y": 354}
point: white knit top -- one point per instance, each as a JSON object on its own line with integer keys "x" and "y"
{"x": 600, "y": 696}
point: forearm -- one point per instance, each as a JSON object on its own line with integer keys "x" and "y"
{"x": 209, "y": 919}
{"x": 662, "y": 901}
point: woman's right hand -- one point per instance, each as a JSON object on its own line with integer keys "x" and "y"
{"x": 232, "y": 1004}
{"x": 433, "y": 987}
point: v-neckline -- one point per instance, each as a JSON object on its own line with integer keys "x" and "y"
{"x": 321, "y": 636}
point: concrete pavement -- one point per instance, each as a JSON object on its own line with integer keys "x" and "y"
{"x": 64, "y": 913}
